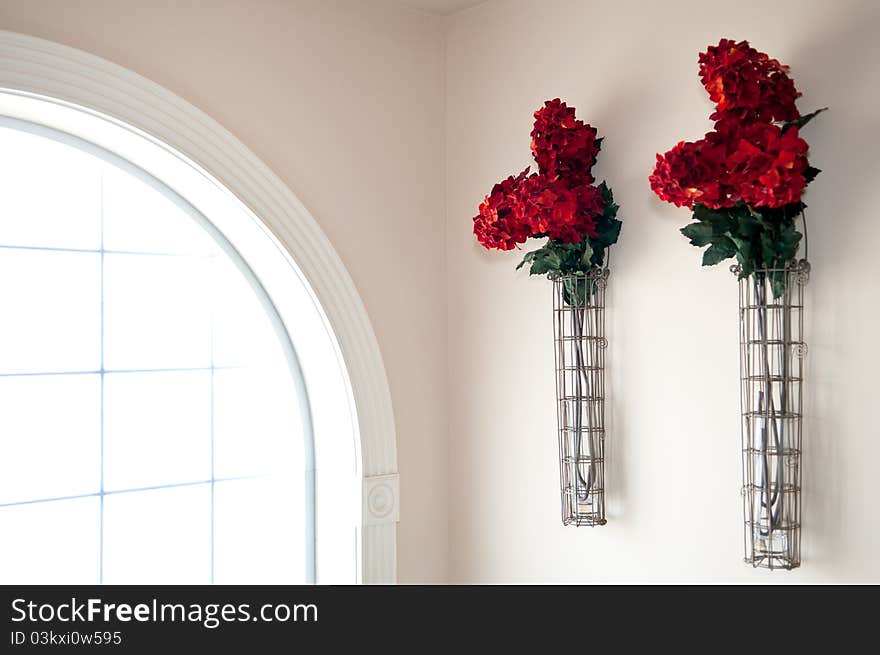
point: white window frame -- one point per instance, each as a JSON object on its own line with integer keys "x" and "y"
{"x": 90, "y": 98}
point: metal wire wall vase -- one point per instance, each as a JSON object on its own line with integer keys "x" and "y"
{"x": 772, "y": 351}
{"x": 579, "y": 333}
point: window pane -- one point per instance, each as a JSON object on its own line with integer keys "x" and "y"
{"x": 141, "y": 219}
{"x": 50, "y": 193}
{"x": 156, "y": 312}
{"x": 50, "y": 543}
{"x": 148, "y": 368}
{"x": 51, "y": 430}
{"x": 157, "y": 429}
{"x": 161, "y": 536}
{"x": 259, "y": 536}
{"x": 243, "y": 332}
{"x": 51, "y": 311}
{"x": 257, "y": 428}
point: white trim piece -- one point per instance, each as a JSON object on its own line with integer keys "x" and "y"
{"x": 380, "y": 569}
{"x": 54, "y": 72}
{"x": 381, "y": 505}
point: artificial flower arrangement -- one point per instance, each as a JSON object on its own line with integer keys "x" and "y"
{"x": 744, "y": 182}
{"x": 560, "y": 202}
{"x": 744, "y": 179}
{"x": 578, "y": 218}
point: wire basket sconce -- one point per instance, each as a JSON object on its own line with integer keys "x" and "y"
{"x": 772, "y": 352}
{"x": 580, "y": 343}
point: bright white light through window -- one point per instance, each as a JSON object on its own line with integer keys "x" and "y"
{"x": 150, "y": 421}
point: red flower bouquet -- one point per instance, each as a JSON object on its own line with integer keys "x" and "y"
{"x": 562, "y": 203}
{"x": 559, "y": 202}
{"x": 743, "y": 180}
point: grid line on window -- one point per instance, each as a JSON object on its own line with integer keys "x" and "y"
{"x": 108, "y": 251}
{"x": 114, "y": 492}
{"x": 120, "y": 371}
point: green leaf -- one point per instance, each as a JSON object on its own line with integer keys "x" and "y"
{"x": 529, "y": 256}
{"x": 790, "y": 236}
{"x": 810, "y": 173}
{"x": 777, "y": 283}
{"x": 607, "y": 226}
{"x": 608, "y": 235}
{"x": 743, "y": 256}
{"x": 576, "y": 291}
{"x": 803, "y": 120}
{"x": 608, "y": 198}
{"x": 544, "y": 264}
{"x": 721, "y": 222}
{"x": 706, "y": 215}
{"x": 700, "y": 234}
{"x": 788, "y": 243}
{"x": 588, "y": 253}
{"x": 599, "y": 141}
{"x": 793, "y": 210}
{"x": 768, "y": 246}
{"x": 747, "y": 225}
{"x": 743, "y": 246}
{"x": 722, "y": 248}
{"x": 758, "y": 237}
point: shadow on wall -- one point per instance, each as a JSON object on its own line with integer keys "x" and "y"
{"x": 841, "y": 60}
{"x": 617, "y": 491}
{"x": 626, "y": 107}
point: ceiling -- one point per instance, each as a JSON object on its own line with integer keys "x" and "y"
{"x": 440, "y": 7}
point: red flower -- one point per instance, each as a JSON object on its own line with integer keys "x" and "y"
{"x": 590, "y": 205}
{"x": 747, "y": 83}
{"x": 559, "y": 202}
{"x": 535, "y": 205}
{"x": 755, "y": 163}
{"x": 747, "y": 157}
{"x": 553, "y": 208}
{"x": 561, "y": 144}
{"x": 500, "y": 223}
{"x": 693, "y": 172}
{"x": 767, "y": 167}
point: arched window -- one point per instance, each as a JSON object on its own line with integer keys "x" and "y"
{"x": 278, "y": 276}
{"x": 151, "y": 407}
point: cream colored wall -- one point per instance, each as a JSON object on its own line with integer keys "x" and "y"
{"x": 344, "y": 101}
{"x": 674, "y": 464}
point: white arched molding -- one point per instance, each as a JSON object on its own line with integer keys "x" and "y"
{"x": 34, "y": 66}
